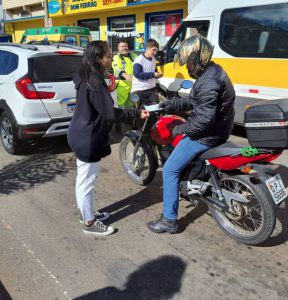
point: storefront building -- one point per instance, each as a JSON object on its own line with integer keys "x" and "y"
{"x": 132, "y": 20}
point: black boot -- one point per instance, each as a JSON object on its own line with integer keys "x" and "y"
{"x": 163, "y": 225}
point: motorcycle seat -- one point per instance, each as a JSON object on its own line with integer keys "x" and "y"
{"x": 226, "y": 149}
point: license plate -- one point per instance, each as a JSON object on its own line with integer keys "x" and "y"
{"x": 71, "y": 107}
{"x": 276, "y": 188}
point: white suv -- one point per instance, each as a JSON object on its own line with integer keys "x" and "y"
{"x": 37, "y": 94}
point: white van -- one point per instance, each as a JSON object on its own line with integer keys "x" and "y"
{"x": 251, "y": 44}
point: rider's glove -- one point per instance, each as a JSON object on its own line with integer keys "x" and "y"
{"x": 177, "y": 130}
{"x": 166, "y": 105}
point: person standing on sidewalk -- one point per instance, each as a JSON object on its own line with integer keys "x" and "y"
{"x": 145, "y": 75}
{"x": 88, "y": 130}
{"x": 123, "y": 71}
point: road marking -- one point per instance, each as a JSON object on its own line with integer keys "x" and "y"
{"x": 36, "y": 259}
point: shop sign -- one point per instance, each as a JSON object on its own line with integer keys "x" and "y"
{"x": 66, "y": 7}
{"x": 54, "y": 7}
{"x": 48, "y": 22}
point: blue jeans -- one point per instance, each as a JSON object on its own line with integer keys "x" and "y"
{"x": 181, "y": 156}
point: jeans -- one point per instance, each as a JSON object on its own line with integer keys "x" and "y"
{"x": 181, "y": 156}
{"x": 84, "y": 188}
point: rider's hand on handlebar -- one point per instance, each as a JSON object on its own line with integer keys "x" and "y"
{"x": 144, "y": 114}
{"x": 166, "y": 105}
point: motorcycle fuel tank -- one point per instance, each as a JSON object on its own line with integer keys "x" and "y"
{"x": 161, "y": 132}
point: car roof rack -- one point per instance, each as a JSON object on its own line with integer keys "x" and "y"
{"x": 23, "y": 46}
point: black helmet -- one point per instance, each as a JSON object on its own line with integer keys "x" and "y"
{"x": 196, "y": 52}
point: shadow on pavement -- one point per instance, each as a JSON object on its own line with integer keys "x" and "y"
{"x": 134, "y": 203}
{"x": 4, "y": 295}
{"x": 25, "y": 173}
{"x": 52, "y": 145}
{"x": 158, "y": 279}
{"x": 280, "y": 233}
{"x": 197, "y": 212}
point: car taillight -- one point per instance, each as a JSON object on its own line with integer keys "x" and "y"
{"x": 27, "y": 89}
{"x": 66, "y": 52}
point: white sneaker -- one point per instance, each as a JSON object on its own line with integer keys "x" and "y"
{"x": 98, "y": 228}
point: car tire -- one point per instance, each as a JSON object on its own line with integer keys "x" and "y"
{"x": 8, "y": 134}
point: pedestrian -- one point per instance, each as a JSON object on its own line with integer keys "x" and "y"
{"x": 123, "y": 71}
{"x": 210, "y": 123}
{"x": 88, "y": 130}
{"x": 145, "y": 75}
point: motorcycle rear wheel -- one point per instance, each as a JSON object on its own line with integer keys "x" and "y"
{"x": 141, "y": 172}
{"x": 252, "y": 223}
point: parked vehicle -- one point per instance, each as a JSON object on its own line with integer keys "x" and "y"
{"x": 251, "y": 44}
{"x": 37, "y": 94}
{"x": 73, "y": 35}
{"x": 234, "y": 180}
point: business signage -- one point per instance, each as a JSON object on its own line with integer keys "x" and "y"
{"x": 66, "y": 7}
{"x": 54, "y": 7}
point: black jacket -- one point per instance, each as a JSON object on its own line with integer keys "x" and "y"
{"x": 212, "y": 103}
{"x": 88, "y": 134}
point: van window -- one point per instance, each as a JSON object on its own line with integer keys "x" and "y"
{"x": 71, "y": 39}
{"x": 259, "y": 31}
{"x": 186, "y": 30}
{"x": 53, "y": 68}
{"x": 8, "y": 62}
{"x": 84, "y": 40}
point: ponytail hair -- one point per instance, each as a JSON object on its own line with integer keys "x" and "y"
{"x": 93, "y": 52}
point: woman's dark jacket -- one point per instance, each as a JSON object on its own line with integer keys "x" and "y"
{"x": 212, "y": 103}
{"x": 88, "y": 134}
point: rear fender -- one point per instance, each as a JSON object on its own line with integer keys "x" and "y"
{"x": 263, "y": 171}
{"x": 145, "y": 143}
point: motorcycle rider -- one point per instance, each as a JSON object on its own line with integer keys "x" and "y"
{"x": 210, "y": 123}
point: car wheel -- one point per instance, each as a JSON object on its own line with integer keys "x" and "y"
{"x": 8, "y": 134}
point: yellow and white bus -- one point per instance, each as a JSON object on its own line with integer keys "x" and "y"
{"x": 251, "y": 44}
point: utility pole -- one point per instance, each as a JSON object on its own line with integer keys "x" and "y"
{"x": 47, "y": 20}
{"x": 46, "y": 9}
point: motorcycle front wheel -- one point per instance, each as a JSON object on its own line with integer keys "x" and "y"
{"x": 141, "y": 169}
{"x": 250, "y": 223}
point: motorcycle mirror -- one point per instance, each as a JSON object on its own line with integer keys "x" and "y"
{"x": 134, "y": 97}
{"x": 186, "y": 84}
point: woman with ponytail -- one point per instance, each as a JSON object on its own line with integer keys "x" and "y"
{"x": 88, "y": 130}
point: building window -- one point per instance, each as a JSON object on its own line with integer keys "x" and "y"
{"x": 93, "y": 25}
{"x": 163, "y": 25}
{"x": 119, "y": 29}
{"x": 259, "y": 31}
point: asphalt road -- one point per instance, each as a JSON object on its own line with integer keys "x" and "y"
{"x": 45, "y": 255}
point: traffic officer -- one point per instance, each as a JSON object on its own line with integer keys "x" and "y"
{"x": 123, "y": 71}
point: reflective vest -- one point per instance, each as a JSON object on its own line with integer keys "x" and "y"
{"x": 123, "y": 63}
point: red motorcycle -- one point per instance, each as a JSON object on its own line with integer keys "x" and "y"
{"x": 235, "y": 181}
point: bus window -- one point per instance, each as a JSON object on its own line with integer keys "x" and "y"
{"x": 84, "y": 40}
{"x": 259, "y": 31}
{"x": 186, "y": 30}
{"x": 71, "y": 39}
